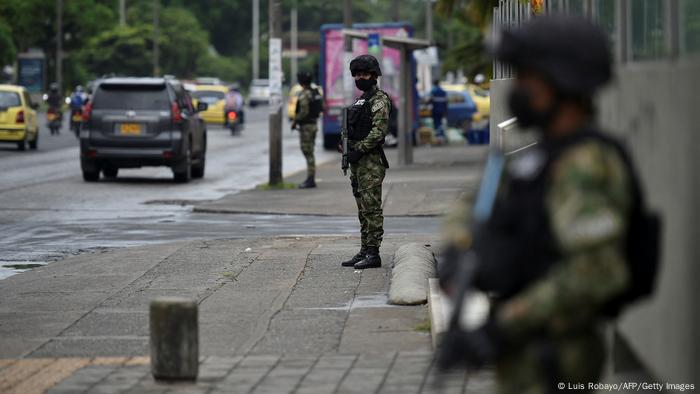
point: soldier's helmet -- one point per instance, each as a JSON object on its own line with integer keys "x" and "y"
{"x": 304, "y": 77}
{"x": 365, "y": 63}
{"x": 570, "y": 52}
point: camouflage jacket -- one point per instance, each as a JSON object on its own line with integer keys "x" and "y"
{"x": 587, "y": 202}
{"x": 380, "y": 106}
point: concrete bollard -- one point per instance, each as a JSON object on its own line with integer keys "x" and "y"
{"x": 174, "y": 339}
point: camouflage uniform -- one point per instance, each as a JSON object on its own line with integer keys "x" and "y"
{"x": 588, "y": 200}
{"x": 367, "y": 175}
{"x": 307, "y": 131}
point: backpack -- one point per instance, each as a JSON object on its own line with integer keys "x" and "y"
{"x": 316, "y": 104}
{"x": 643, "y": 244}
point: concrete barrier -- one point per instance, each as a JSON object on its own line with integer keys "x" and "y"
{"x": 174, "y": 339}
{"x": 413, "y": 264}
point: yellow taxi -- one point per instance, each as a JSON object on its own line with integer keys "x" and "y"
{"x": 215, "y": 97}
{"x": 482, "y": 101}
{"x": 293, "y": 96}
{"x": 18, "y": 118}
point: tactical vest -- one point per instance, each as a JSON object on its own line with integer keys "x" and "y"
{"x": 516, "y": 246}
{"x": 360, "y": 117}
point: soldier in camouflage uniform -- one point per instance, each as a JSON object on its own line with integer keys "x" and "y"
{"x": 307, "y": 128}
{"x": 368, "y": 124}
{"x": 553, "y": 251}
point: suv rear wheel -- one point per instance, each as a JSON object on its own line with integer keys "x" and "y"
{"x": 110, "y": 172}
{"x": 185, "y": 175}
{"x": 91, "y": 176}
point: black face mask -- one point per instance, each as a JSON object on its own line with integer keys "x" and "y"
{"x": 520, "y": 102}
{"x": 365, "y": 84}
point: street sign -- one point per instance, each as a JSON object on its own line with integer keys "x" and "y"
{"x": 275, "y": 71}
{"x": 373, "y": 43}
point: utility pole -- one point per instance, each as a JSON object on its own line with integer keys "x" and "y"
{"x": 275, "y": 78}
{"x": 395, "y": 10}
{"x": 256, "y": 38}
{"x": 59, "y": 44}
{"x": 156, "y": 36}
{"x": 429, "y": 20}
{"x": 295, "y": 46}
{"x": 122, "y": 13}
{"x": 347, "y": 55}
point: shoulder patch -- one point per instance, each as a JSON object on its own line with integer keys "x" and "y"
{"x": 377, "y": 105}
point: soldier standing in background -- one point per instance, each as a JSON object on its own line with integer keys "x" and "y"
{"x": 554, "y": 252}
{"x": 306, "y": 116}
{"x": 368, "y": 124}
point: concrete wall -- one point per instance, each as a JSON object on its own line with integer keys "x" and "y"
{"x": 655, "y": 108}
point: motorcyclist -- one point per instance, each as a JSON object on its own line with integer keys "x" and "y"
{"x": 54, "y": 97}
{"x": 77, "y": 100}
{"x": 234, "y": 102}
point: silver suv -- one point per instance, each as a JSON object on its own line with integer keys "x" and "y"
{"x": 136, "y": 122}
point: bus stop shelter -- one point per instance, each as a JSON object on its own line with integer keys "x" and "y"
{"x": 406, "y": 46}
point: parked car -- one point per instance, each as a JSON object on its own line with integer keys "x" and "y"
{"x": 18, "y": 119}
{"x": 215, "y": 98}
{"x": 259, "y": 92}
{"x": 136, "y": 122}
{"x": 482, "y": 100}
{"x": 293, "y": 96}
{"x": 460, "y": 108}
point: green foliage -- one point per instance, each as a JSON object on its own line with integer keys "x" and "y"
{"x": 121, "y": 50}
{"x": 7, "y": 46}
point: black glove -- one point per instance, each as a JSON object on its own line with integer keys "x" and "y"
{"x": 475, "y": 348}
{"x": 354, "y": 156}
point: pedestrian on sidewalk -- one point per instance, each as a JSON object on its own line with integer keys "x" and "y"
{"x": 555, "y": 250}
{"x": 309, "y": 106}
{"x": 438, "y": 99}
{"x": 368, "y": 125}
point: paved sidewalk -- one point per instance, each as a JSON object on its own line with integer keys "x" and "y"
{"x": 276, "y": 314}
{"x": 395, "y": 373}
{"x": 438, "y": 177}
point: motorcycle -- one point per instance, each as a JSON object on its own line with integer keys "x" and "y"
{"x": 54, "y": 119}
{"x": 234, "y": 122}
{"x": 76, "y": 120}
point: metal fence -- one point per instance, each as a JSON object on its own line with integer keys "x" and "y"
{"x": 507, "y": 15}
{"x": 639, "y": 30}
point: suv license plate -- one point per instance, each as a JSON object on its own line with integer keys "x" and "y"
{"x": 130, "y": 129}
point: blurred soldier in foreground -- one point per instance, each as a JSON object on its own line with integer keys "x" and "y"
{"x": 368, "y": 124}
{"x": 555, "y": 251}
{"x": 309, "y": 106}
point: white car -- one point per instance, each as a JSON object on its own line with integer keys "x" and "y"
{"x": 259, "y": 92}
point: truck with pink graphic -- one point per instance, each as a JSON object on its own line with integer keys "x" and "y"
{"x": 332, "y": 67}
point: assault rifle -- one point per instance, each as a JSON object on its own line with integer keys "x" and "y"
{"x": 344, "y": 136}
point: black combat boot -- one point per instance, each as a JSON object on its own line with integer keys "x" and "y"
{"x": 308, "y": 183}
{"x": 355, "y": 259}
{"x": 371, "y": 260}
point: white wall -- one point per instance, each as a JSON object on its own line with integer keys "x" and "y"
{"x": 655, "y": 108}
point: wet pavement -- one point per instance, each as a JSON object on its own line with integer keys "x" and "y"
{"x": 47, "y": 212}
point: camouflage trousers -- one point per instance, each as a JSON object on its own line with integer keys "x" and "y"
{"x": 366, "y": 177}
{"x": 307, "y": 140}
{"x": 541, "y": 366}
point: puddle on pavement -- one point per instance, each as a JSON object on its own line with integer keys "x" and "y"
{"x": 10, "y": 268}
{"x": 361, "y": 302}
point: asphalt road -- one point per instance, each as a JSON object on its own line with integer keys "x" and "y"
{"x": 47, "y": 212}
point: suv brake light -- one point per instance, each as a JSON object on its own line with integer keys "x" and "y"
{"x": 87, "y": 112}
{"x": 176, "y": 114}
{"x": 20, "y": 117}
